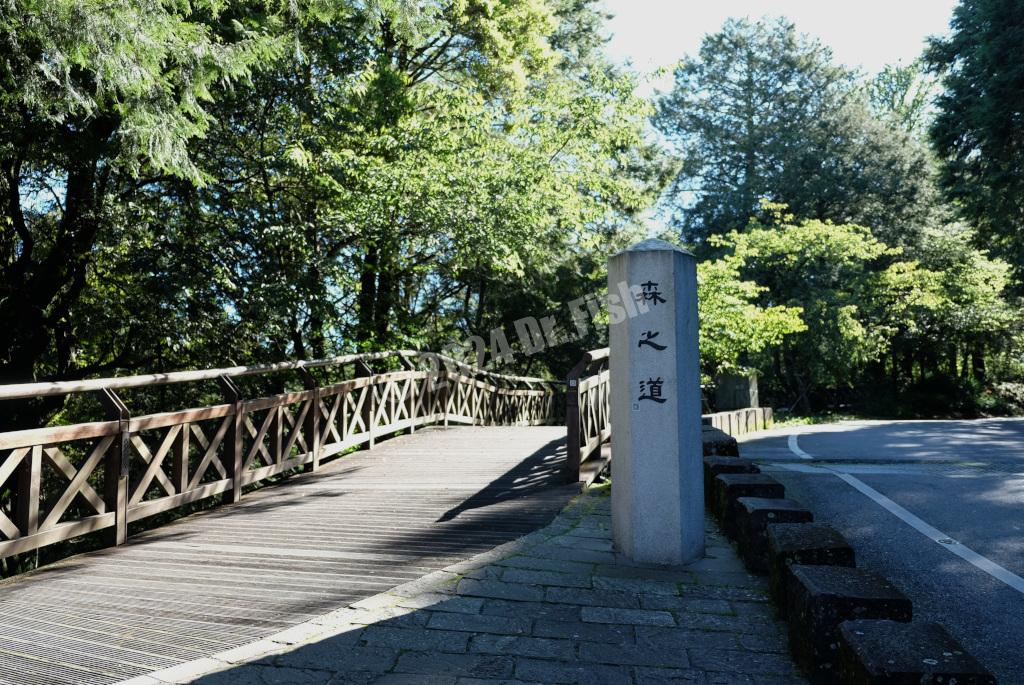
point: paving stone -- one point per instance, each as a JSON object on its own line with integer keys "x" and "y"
{"x": 730, "y": 624}
{"x": 679, "y": 603}
{"x": 640, "y": 617}
{"x": 418, "y": 640}
{"x": 531, "y": 610}
{"x": 718, "y": 560}
{"x": 500, "y": 590}
{"x": 728, "y": 679}
{"x": 535, "y": 577}
{"x": 578, "y": 555}
{"x": 480, "y": 623}
{"x": 743, "y": 579}
{"x": 636, "y": 585}
{"x": 591, "y": 632}
{"x": 269, "y": 675}
{"x": 557, "y": 672}
{"x": 328, "y": 656}
{"x": 415, "y": 679}
{"x": 437, "y": 602}
{"x": 724, "y": 592}
{"x": 646, "y": 675}
{"x": 753, "y": 514}
{"x": 489, "y": 572}
{"x": 763, "y": 642}
{"x": 777, "y": 680}
{"x": 893, "y": 653}
{"x": 633, "y": 655}
{"x": 754, "y": 610}
{"x": 475, "y": 665}
{"x": 542, "y": 564}
{"x": 604, "y": 598}
{"x": 629, "y": 569}
{"x": 542, "y": 648}
{"x": 822, "y": 597}
{"x": 491, "y": 681}
{"x": 741, "y": 661}
{"x": 681, "y": 638}
{"x": 809, "y": 544}
{"x": 394, "y": 615}
{"x": 584, "y": 544}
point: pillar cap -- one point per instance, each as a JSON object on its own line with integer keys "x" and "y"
{"x": 653, "y": 245}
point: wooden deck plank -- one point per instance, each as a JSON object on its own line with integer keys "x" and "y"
{"x": 362, "y": 524}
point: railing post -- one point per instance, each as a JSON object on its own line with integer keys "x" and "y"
{"x": 369, "y": 402}
{"x": 115, "y": 469}
{"x": 179, "y": 468}
{"x": 572, "y": 428}
{"x": 440, "y": 389}
{"x": 409, "y": 366}
{"x": 233, "y": 440}
{"x": 29, "y": 485}
{"x": 311, "y": 426}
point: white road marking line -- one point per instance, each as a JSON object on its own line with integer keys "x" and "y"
{"x": 964, "y": 552}
{"x": 795, "y": 448}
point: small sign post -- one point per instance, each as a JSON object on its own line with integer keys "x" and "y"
{"x": 657, "y": 475}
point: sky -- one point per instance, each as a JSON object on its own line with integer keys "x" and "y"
{"x": 866, "y": 33}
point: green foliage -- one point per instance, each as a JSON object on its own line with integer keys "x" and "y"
{"x": 979, "y": 130}
{"x": 871, "y": 318}
{"x": 762, "y": 112}
{"x": 733, "y": 327}
{"x": 903, "y": 94}
{"x": 191, "y": 182}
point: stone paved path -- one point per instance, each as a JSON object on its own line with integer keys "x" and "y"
{"x": 556, "y": 606}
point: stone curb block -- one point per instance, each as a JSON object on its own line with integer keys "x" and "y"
{"x": 893, "y": 653}
{"x": 753, "y": 514}
{"x": 808, "y": 544}
{"x": 728, "y": 487}
{"x": 822, "y": 597}
{"x": 713, "y": 466}
{"x": 718, "y": 443}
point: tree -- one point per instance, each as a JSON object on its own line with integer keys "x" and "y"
{"x": 979, "y": 130}
{"x": 734, "y": 328}
{"x": 763, "y": 113}
{"x": 92, "y": 96}
{"x": 903, "y": 94}
{"x": 831, "y": 272}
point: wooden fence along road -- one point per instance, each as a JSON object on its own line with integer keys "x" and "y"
{"x": 346, "y": 529}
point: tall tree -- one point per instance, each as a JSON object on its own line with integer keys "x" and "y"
{"x": 979, "y": 130}
{"x": 93, "y": 95}
{"x": 903, "y": 94}
{"x": 762, "y": 112}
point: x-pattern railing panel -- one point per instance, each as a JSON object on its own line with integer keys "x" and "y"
{"x": 588, "y": 415}
{"x": 65, "y": 481}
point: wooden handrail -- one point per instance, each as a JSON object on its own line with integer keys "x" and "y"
{"x": 46, "y": 389}
{"x": 67, "y": 481}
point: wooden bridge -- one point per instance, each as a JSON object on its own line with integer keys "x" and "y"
{"x": 471, "y": 459}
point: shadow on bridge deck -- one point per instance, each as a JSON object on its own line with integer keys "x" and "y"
{"x": 215, "y": 580}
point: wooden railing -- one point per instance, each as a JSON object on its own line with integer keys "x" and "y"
{"x": 66, "y": 481}
{"x": 587, "y": 410}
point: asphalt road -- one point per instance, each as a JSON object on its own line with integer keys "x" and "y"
{"x": 935, "y": 506}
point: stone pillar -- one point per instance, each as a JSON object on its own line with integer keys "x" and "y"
{"x": 657, "y": 474}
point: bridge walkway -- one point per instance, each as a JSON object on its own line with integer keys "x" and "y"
{"x": 215, "y": 580}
